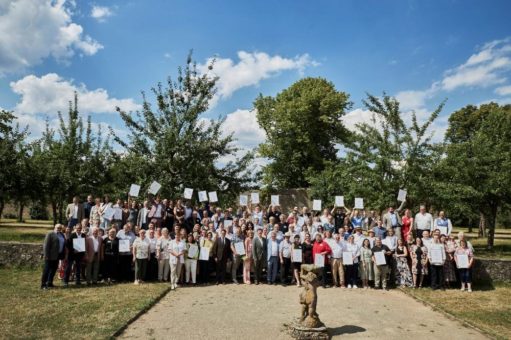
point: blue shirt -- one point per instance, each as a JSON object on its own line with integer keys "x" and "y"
{"x": 380, "y": 232}
{"x": 393, "y": 219}
{"x": 62, "y": 241}
{"x": 356, "y": 221}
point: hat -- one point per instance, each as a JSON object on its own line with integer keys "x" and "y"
{"x": 288, "y": 234}
{"x": 371, "y": 231}
{"x": 297, "y": 236}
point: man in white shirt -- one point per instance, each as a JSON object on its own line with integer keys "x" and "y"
{"x": 273, "y": 258}
{"x": 285, "y": 258}
{"x": 93, "y": 250}
{"x": 422, "y": 221}
{"x": 336, "y": 260}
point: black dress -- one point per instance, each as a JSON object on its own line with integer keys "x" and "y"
{"x": 307, "y": 253}
{"x": 111, "y": 258}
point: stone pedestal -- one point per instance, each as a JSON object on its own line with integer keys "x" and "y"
{"x": 301, "y": 332}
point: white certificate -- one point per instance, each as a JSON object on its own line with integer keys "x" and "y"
{"x": 108, "y": 214}
{"x": 204, "y": 254}
{"x": 124, "y": 246}
{"x": 359, "y": 203}
{"x": 254, "y": 197}
{"x": 240, "y": 248}
{"x": 212, "y": 196}
{"x": 297, "y": 255}
{"x": 443, "y": 230}
{"x": 462, "y": 261}
{"x": 436, "y": 255}
{"x": 319, "y": 260}
{"x": 117, "y": 213}
{"x": 134, "y": 190}
{"x": 227, "y": 223}
{"x": 316, "y": 205}
{"x": 275, "y": 200}
{"x": 301, "y": 221}
{"x": 154, "y": 188}
{"x": 193, "y": 250}
{"x": 188, "y": 193}
{"x": 401, "y": 196}
{"x": 339, "y": 201}
{"x": 379, "y": 256}
{"x": 243, "y": 200}
{"x": 347, "y": 258}
{"x": 79, "y": 244}
{"x": 203, "y": 196}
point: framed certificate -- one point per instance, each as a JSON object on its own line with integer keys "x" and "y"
{"x": 339, "y": 201}
{"x": 297, "y": 255}
{"x": 204, "y": 254}
{"x": 347, "y": 258}
{"x": 203, "y": 196}
{"x": 193, "y": 250}
{"x": 436, "y": 255}
{"x": 319, "y": 260}
{"x": 79, "y": 244}
{"x": 124, "y": 246}
{"x": 274, "y": 199}
{"x": 462, "y": 261}
{"x": 243, "y": 200}
{"x": 212, "y": 196}
{"x": 316, "y": 205}
{"x": 154, "y": 187}
{"x": 379, "y": 256}
{"x": 254, "y": 197}
{"x": 134, "y": 190}
{"x": 443, "y": 230}
{"x": 240, "y": 248}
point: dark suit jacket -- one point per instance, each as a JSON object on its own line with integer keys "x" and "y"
{"x": 51, "y": 246}
{"x": 258, "y": 250}
{"x": 221, "y": 250}
{"x": 69, "y": 246}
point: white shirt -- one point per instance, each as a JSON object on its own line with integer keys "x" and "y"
{"x": 423, "y": 221}
{"x": 75, "y": 211}
{"x": 427, "y": 242}
{"x": 157, "y": 213}
{"x": 118, "y": 212}
{"x": 337, "y": 248}
{"x": 95, "y": 242}
{"x": 177, "y": 247}
{"x": 273, "y": 247}
{"x": 285, "y": 249}
{"x": 354, "y": 249}
{"x": 391, "y": 242}
{"x": 359, "y": 238}
{"x": 152, "y": 243}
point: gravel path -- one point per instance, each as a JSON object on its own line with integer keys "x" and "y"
{"x": 259, "y": 312}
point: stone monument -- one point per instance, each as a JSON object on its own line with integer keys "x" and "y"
{"x": 308, "y": 325}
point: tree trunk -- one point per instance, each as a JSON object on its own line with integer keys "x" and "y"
{"x": 492, "y": 219}
{"x": 470, "y": 224}
{"x": 20, "y": 213}
{"x": 482, "y": 225}
{"x": 2, "y": 205}
{"x": 54, "y": 212}
{"x": 61, "y": 213}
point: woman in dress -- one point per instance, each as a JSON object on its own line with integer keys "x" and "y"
{"x": 179, "y": 212}
{"x": 403, "y": 275}
{"x": 95, "y": 217}
{"x": 110, "y": 256}
{"x": 406, "y": 224}
{"x": 449, "y": 265}
{"x": 176, "y": 249}
{"x": 163, "y": 255}
{"x": 205, "y": 265}
{"x": 366, "y": 263}
{"x": 140, "y": 257}
{"x": 465, "y": 273}
{"x": 419, "y": 254}
{"x": 307, "y": 249}
{"x": 247, "y": 259}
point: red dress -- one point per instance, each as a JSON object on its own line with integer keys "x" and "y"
{"x": 406, "y": 226}
{"x": 319, "y": 248}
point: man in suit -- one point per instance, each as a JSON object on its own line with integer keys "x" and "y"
{"x": 75, "y": 212}
{"x": 74, "y": 256}
{"x": 221, "y": 251}
{"x": 53, "y": 251}
{"x": 259, "y": 254}
{"x": 93, "y": 245}
{"x": 391, "y": 219}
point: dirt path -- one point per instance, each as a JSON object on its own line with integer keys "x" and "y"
{"x": 259, "y": 312}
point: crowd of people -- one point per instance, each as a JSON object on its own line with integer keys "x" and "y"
{"x": 163, "y": 240}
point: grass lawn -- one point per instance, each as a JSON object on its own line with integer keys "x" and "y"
{"x": 23, "y": 234}
{"x": 67, "y": 313}
{"x": 486, "y": 308}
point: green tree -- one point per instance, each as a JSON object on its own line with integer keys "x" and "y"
{"x": 170, "y": 142}
{"x": 480, "y": 162}
{"x": 303, "y": 127}
{"x": 385, "y": 154}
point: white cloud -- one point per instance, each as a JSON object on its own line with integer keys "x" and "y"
{"x": 250, "y": 70}
{"x": 50, "y": 93}
{"x": 100, "y": 13}
{"x": 357, "y": 116}
{"x": 487, "y": 67}
{"x": 243, "y": 124}
{"x": 503, "y": 90}
{"x": 31, "y": 31}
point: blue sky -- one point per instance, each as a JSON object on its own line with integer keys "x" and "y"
{"x": 419, "y": 51}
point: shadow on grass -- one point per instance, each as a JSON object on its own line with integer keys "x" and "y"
{"x": 346, "y": 329}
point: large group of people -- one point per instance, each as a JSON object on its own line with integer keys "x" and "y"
{"x": 175, "y": 242}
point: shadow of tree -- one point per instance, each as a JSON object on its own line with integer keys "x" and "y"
{"x": 346, "y": 329}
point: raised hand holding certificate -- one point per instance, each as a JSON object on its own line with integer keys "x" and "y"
{"x": 203, "y": 196}
{"x": 154, "y": 188}
{"x": 274, "y": 199}
{"x": 213, "y": 197}
{"x": 243, "y": 200}
{"x": 316, "y": 205}
{"x": 339, "y": 201}
{"x": 79, "y": 245}
{"x": 204, "y": 254}
{"x": 134, "y": 190}
{"x": 319, "y": 260}
{"x": 347, "y": 258}
{"x": 188, "y": 193}
{"x": 192, "y": 251}
{"x": 297, "y": 255}
{"x": 401, "y": 196}
{"x": 359, "y": 203}
{"x": 379, "y": 256}
{"x": 462, "y": 262}
{"x": 254, "y": 197}
{"x": 240, "y": 248}
{"x": 124, "y": 246}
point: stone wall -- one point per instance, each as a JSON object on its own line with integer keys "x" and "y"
{"x": 14, "y": 254}
{"x": 29, "y": 254}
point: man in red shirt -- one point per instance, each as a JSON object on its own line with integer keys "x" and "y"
{"x": 321, "y": 248}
